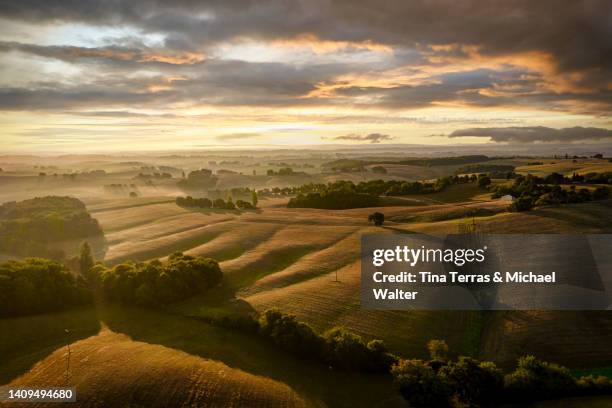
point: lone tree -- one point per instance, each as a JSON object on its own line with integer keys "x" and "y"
{"x": 254, "y": 198}
{"x": 484, "y": 181}
{"x": 377, "y": 218}
{"x": 438, "y": 350}
{"x": 86, "y": 261}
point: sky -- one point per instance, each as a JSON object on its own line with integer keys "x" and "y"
{"x": 134, "y": 75}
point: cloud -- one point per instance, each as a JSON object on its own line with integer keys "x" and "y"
{"x": 238, "y": 136}
{"x": 371, "y": 138}
{"x": 531, "y": 134}
{"x": 546, "y": 61}
{"x": 115, "y": 54}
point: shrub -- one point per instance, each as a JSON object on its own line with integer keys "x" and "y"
{"x": 472, "y": 382}
{"x": 484, "y": 181}
{"x": 244, "y": 205}
{"x": 536, "y": 379}
{"x": 521, "y": 204}
{"x": 285, "y": 331}
{"x": 438, "y": 350}
{"x": 419, "y": 384}
{"x": 348, "y": 351}
{"x": 591, "y": 385}
{"x": 377, "y": 218}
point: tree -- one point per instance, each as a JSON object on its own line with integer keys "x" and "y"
{"x": 484, "y": 181}
{"x": 473, "y": 382}
{"x": 377, "y": 218}
{"x": 254, "y": 198}
{"x": 219, "y": 203}
{"x": 438, "y": 349}
{"x": 419, "y": 384}
{"x": 86, "y": 261}
{"x": 537, "y": 379}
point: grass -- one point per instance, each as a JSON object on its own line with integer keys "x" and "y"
{"x": 567, "y": 167}
{"x": 579, "y": 402}
{"x": 288, "y": 258}
{"x": 26, "y": 340}
{"x": 143, "y": 357}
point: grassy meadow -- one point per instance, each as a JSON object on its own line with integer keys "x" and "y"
{"x": 300, "y": 260}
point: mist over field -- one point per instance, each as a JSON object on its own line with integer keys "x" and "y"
{"x": 184, "y": 189}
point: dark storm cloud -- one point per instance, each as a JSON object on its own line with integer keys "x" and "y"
{"x": 215, "y": 82}
{"x": 577, "y": 36}
{"x": 112, "y": 54}
{"x": 577, "y": 33}
{"x": 530, "y": 134}
{"x": 371, "y": 138}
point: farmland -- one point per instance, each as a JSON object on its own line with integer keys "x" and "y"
{"x": 304, "y": 261}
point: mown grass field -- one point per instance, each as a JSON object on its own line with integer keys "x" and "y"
{"x": 303, "y": 261}
{"x": 289, "y": 258}
{"x": 142, "y": 358}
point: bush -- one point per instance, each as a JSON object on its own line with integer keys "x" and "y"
{"x": 522, "y": 204}
{"x": 244, "y": 205}
{"x": 286, "y": 332}
{"x": 483, "y": 181}
{"x": 377, "y": 218}
{"x": 472, "y": 382}
{"x": 419, "y": 384}
{"x": 337, "y": 347}
{"x": 591, "y": 385}
{"x": 536, "y": 379}
{"x": 346, "y": 350}
{"x": 438, "y": 350}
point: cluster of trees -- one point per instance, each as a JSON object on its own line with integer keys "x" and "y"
{"x": 283, "y": 171}
{"x": 334, "y": 200}
{"x": 34, "y": 227}
{"x": 531, "y": 191}
{"x": 379, "y": 170}
{"x": 198, "y": 180}
{"x": 441, "y": 382}
{"x": 497, "y": 170}
{"x": 345, "y": 194}
{"x": 153, "y": 176}
{"x": 216, "y": 203}
{"x": 73, "y": 176}
{"x": 337, "y": 347}
{"x": 37, "y": 285}
{"x": 589, "y": 178}
{"x": 446, "y": 161}
{"x": 156, "y": 283}
{"x": 359, "y": 165}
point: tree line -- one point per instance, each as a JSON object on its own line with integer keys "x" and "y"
{"x": 467, "y": 382}
{"x": 531, "y": 191}
{"x": 36, "y": 285}
{"x": 344, "y": 194}
{"x": 438, "y": 382}
{"x": 155, "y": 283}
{"x": 219, "y": 203}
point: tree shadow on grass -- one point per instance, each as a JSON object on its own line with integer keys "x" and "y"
{"x": 29, "y": 339}
{"x": 250, "y": 353}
